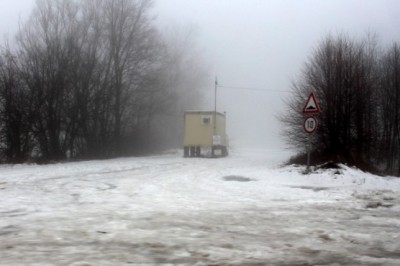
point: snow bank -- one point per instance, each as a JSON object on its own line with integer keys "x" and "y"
{"x": 243, "y": 209}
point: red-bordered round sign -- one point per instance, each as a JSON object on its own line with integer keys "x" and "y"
{"x": 310, "y": 124}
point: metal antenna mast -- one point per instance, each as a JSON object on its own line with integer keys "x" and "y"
{"x": 215, "y": 106}
{"x": 215, "y": 118}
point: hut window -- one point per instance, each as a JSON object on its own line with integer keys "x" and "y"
{"x": 206, "y": 120}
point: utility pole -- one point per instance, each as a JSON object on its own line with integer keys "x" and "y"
{"x": 215, "y": 106}
{"x": 215, "y": 117}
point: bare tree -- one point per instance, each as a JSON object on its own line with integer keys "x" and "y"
{"x": 181, "y": 82}
{"x": 130, "y": 45}
{"x": 96, "y": 73}
{"x": 45, "y": 49}
{"x": 390, "y": 109}
{"x": 342, "y": 73}
{"x": 15, "y": 111}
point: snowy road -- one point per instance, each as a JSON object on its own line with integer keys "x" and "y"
{"x": 240, "y": 210}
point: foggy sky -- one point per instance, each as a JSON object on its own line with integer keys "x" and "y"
{"x": 264, "y": 44}
{"x": 258, "y": 44}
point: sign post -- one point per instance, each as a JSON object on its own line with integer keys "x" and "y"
{"x": 310, "y": 122}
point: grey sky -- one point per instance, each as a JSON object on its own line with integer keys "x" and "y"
{"x": 257, "y": 43}
{"x": 11, "y": 11}
{"x": 264, "y": 44}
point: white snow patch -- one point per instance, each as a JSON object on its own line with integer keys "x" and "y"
{"x": 169, "y": 209}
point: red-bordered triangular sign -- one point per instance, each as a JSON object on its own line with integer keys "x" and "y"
{"x": 311, "y": 105}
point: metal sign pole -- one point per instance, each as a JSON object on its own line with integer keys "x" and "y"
{"x": 308, "y": 154}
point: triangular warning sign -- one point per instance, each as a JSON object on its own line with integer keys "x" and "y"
{"x": 311, "y": 105}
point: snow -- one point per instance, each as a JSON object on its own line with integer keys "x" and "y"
{"x": 243, "y": 209}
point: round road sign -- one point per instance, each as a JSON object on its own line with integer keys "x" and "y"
{"x": 310, "y": 124}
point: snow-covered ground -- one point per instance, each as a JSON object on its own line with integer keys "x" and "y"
{"x": 241, "y": 210}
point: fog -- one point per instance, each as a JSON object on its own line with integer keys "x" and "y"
{"x": 254, "y": 44}
{"x": 263, "y": 45}
{"x": 12, "y": 13}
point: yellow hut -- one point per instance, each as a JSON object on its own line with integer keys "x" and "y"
{"x": 205, "y": 130}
